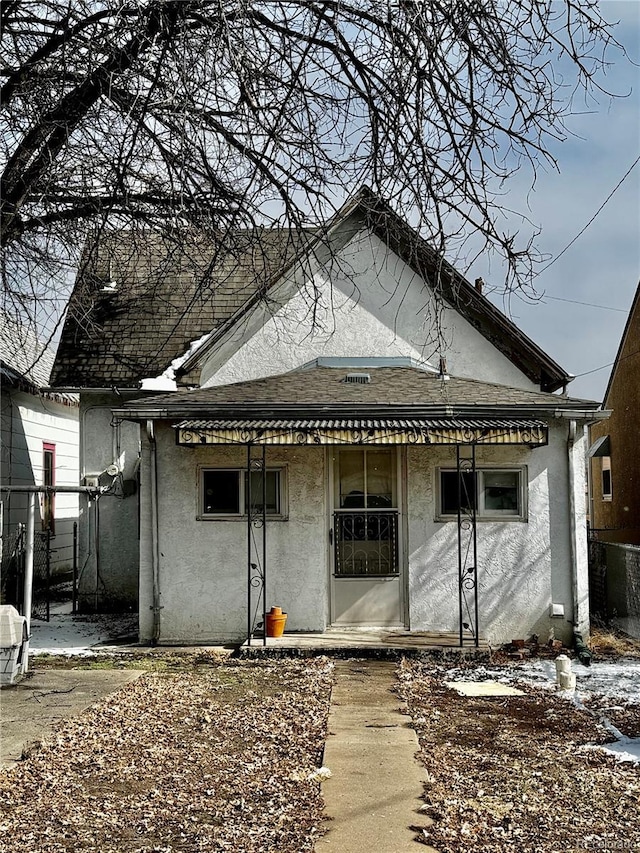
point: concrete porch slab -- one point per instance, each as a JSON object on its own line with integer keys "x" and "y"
{"x": 390, "y": 643}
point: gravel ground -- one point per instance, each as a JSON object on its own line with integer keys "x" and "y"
{"x": 202, "y": 756}
{"x": 510, "y": 774}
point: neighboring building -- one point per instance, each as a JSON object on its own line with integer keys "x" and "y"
{"x": 367, "y": 439}
{"x": 615, "y": 445}
{"x": 39, "y": 444}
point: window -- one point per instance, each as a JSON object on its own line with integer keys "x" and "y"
{"x": 495, "y": 493}
{"x": 607, "y": 493}
{"x": 48, "y": 479}
{"x": 225, "y": 492}
{"x": 366, "y": 479}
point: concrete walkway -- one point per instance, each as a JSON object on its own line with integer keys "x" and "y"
{"x": 36, "y": 705}
{"x": 373, "y": 795}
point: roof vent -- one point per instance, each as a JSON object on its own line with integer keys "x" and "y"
{"x": 358, "y": 378}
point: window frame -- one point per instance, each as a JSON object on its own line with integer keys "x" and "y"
{"x": 49, "y": 498}
{"x": 482, "y": 514}
{"x": 283, "y": 480}
{"x": 605, "y": 468}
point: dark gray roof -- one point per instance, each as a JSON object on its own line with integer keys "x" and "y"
{"x": 323, "y": 390}
{"x": 24, "y": 358}
{"x": 138, "y": 303}
{"x": 159, "y": 304}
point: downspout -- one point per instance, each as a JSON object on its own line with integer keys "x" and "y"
{"x": 155, "y": 551}
{"x": 572, "y": 523}
{"x": 584, "y": 655}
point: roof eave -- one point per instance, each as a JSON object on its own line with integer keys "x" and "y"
{"x": 134, "y": 411}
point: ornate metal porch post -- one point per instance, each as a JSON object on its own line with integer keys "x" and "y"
{"x": 256, "y": 561}
{"x": 467, "y": 550}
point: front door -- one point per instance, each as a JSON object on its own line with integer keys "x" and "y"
{"x": 367, "y": 579}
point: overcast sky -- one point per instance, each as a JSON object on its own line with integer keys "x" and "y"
{"x": 603, "y": 265}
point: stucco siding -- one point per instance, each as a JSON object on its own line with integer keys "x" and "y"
{"x": 203, "y": 563}
{"x": 523, "y": 567}
{"x": 367, "y": 302}
{"x": 109, "y": 528}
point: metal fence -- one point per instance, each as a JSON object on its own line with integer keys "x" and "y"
{"x": 12, "y": 573}
{"x": 614, "y": 580}
{"x": 12, "y": 568}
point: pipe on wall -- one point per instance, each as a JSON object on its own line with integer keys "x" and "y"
{"x": 155, "y": 550}
{"x": 572, "y": 523}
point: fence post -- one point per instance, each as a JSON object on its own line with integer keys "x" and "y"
{"x": 28, "y": 573}
{"x": 75, "y": 568}
{"x": 48, "y": 570}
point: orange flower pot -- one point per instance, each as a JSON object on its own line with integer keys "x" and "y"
{"x": 276, "y": 620}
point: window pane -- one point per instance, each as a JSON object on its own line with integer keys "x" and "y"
{"x": 221, "y": 492}
{"x": 449, "y": 492}
{"x": 48, "y": 479}
{"x": 501, "y": 491}
{"x": 351, "y": 478}
{"x": 379, "y": 479}
{"x": 47, "y": 476}
{"x": 273, "y": 492}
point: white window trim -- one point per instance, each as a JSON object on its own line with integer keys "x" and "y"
{"x": 283, "y": 515}
{"x": 481, "y": 514}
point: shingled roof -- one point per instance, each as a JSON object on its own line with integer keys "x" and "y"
{"x": 140, "y": 300}
{"x": 25, "y": 361}
{"x": 321, "y": 390}
{"x": 138, "y": 304}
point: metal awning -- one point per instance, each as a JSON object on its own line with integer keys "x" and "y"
{"x": 305, "y": 431}
{"x": 601, "y": 446}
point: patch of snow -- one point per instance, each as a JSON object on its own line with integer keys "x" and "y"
{"x": 159, "y": 383}
{"x": 618, "y": 681}
{"x": 167, "y": 379}
{"x": 70, "y": 635}
{"x": 625, "y": 749}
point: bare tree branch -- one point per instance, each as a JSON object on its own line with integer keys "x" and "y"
{"x": 219, "y": 115}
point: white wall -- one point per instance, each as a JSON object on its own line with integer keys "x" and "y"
{"x": 109, "y": 541}
{"x": 524, "y": 567}
{"x": 368, "y": 303}
{"x": 30, "y": 421}
{"x": 203, "y": 564}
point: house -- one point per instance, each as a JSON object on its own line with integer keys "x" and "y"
{"x": 360, "y": 437}
{"x": 39, "y": 446}
{"x": 613, "y": 452}
{"x": 614, "y": 488}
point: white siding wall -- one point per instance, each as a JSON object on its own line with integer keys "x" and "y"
{"x": 369, "y": 303}
{"x": 30, "y": 421}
